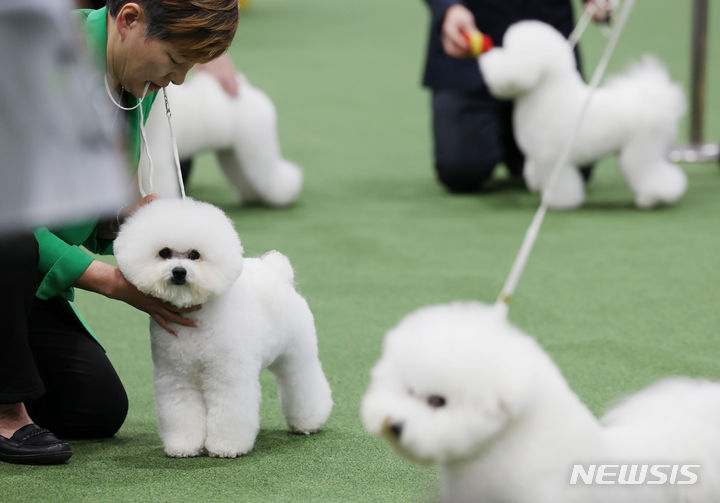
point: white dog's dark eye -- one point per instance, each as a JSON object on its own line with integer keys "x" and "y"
{"x": 165, "y": 253}
{"x": 194, "y": 255}
{"x": 436, "y": 401}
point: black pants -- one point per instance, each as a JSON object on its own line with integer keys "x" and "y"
{"x": 473, "y": 134}
{"x": 47, "y": 358}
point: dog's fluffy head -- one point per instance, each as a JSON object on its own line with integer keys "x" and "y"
{"x": 181, "y": 251}
{"x": 531, "y": 50}
{"x": 451, "y": 379}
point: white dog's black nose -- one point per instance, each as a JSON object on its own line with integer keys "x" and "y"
{"x": 178, "y": 275}
{"x": 396, "y": 429}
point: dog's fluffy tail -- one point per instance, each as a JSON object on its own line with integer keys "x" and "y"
{"x": 650, "y": 79}
{"x": 280, "y": 264}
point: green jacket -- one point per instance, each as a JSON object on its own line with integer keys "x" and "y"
{"x": 62, "y": 261}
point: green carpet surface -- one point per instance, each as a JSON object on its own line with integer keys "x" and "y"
{"x": 618, "y": 296}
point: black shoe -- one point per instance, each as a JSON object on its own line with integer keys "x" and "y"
{"x": 32, "y": 445}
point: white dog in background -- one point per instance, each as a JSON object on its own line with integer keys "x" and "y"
{"x": 634, "y": 114}
{"x": 207, "y": 390}
{"x": 242, "y": 132}
{"x": 458, "y": 385}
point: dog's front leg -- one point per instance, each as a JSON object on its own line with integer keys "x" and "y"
{"x": 532, "y": 177}
{"x": 566, "y": 191}
{"x": 181, "y": 415}
{"x": 233, "y": 410}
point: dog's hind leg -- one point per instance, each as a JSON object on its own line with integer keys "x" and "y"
{"x": 304, "y": 392}
{"x": 181, "y": 416}
{"x": 654, "y": 180}
{"x": 231, "y": 166}
{"x": 232, "y": 397}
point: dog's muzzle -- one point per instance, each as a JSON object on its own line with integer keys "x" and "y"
{"x": 178, "y": 276}
{"x": 392, "y": 429}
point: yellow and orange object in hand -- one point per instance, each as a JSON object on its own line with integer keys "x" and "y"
{"x": 478, "y": 43}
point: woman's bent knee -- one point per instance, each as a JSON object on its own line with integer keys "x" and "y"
{"x": 461, "y": 178}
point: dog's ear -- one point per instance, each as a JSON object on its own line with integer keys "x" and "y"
{"x": 509, "y": 408}
{"x": 515, "y": 395}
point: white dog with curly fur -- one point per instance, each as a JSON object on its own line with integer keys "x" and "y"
{"x": 242, "y": 132}
{"x": 634, "y": 114}
{"x": 206, "y": 377}
{"x": 458, "y": 385}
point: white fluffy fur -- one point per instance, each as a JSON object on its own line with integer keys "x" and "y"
{"x": 242, "y": 131}
{"x": 634, "y": 114}
{"x": 511, "y": 427}
{"x": 207, "y": 390}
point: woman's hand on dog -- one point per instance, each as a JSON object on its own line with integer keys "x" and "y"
{"x": 126, "y": 212}
{"x": 107, "y": 280}
{"x": 162, "y": 312}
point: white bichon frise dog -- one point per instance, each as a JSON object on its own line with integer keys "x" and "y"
{"x": 241, "y": 131}
{"x": 207, "y": 390}
{"x": 633, "y": 114}
{"x": 458, "y": 385}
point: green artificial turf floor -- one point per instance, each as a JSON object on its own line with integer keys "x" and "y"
{"x": 618, "y": 296}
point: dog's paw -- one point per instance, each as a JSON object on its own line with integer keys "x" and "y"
{"x": 182, "y": 444}
{"x": 226, "y": 453}
{"x": 567, "y": 191}
{"x": 302, "y": 431}
{"x": 664, "y": 185}
{"x": 180, "y": 452}
{"x": 227, "y": 449}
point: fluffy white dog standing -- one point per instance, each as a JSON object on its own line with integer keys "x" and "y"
{"x": 634, "y": 114}
{"x": 207, "y": 390}
{"x": 458, "y": 385}
{"x": 242, "y": 131}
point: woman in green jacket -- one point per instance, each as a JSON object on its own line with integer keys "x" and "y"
{"x": 51, "y": 368}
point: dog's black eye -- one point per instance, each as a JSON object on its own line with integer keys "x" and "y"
{"x": 165, "y": 253}
{"x": 436, "y": 401}
{"x": 194, "y": 255}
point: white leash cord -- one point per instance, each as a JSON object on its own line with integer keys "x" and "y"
{"x": 591, "y": 8}
{"x": 151, "y": 167}
{"x": 582, "y": 24}
{"x": 532, "y": 232}
{"x": 142, "y": 129}
{"x": 120, "y": 106}
{"x": 176, "y": 156}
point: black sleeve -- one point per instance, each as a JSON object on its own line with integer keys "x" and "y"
{"x": 439, "y": 7}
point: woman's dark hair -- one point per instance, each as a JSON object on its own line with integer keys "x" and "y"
{"x": 199, "y": 30}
